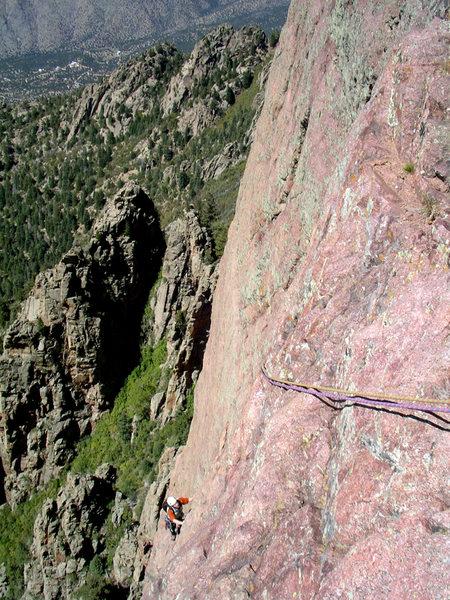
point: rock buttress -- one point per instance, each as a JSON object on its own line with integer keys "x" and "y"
{"x": 74, "y": 341}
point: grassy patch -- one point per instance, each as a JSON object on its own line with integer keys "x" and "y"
{"x": 430, "y": 206}
{"x": 127, "y": 437}
{"x": 244, "y": 101}
{"x": 111, "y": 440}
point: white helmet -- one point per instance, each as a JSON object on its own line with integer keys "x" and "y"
{"x": 171, "y": 501}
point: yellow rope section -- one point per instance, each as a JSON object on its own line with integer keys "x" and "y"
{"x": 360, "y": 394}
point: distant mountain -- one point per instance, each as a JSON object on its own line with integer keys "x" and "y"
{"x": 49, "y": 47}
{"x": 42, "y": 26}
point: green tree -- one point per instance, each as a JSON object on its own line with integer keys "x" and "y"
{"x": 229, "y": 96}
{"x": 247, "y": 79}
{"x": 274, "y": 38}
{"x": 124, "y": 428}
{"x": 183, "y": 180}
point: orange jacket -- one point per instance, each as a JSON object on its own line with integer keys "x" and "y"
{"x": 170, "y": 512}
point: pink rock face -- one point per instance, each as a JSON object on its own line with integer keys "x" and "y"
{"x": 335, "y": 274}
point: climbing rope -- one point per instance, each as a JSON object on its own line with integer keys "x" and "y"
{"x": 343, "y": 396}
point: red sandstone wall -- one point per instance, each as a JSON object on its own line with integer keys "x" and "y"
{"x": 335, "y": 274}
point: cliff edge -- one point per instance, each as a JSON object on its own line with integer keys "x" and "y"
{"x": 335, "y": 274}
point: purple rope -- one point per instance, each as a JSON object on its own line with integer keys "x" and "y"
{"x": 335, "y": 397}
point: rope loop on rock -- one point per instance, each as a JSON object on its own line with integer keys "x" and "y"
{"x": 344, "y": 396}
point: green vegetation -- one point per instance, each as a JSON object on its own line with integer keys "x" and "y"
{"x": 96, "y": 586}
{"x": 215, "y": 199}
{"x": 216, "y": 203}
{"x": 408, "y": 167}
{"x": 180, "y": 323}
{"x": 113, "y": 535}
{"x": 127, "y": 437}
{"x": 148, "y": 311}
{"x": 55, "y": 171}
{"x": 274, "y": 38}
{"x": 16, "y": 533}
{"x": 111, "y": 439}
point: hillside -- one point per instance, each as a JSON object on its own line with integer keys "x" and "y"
{"x": 48, "y": 47}
{"x": 61, "y": 157}
{"x": 120, "y": 197}
{"x": 41, "y": 27}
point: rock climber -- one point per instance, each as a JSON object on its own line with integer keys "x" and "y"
{"x": 174, "y": 514}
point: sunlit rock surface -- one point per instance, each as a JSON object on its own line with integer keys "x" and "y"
{"x": 335, "y": 274}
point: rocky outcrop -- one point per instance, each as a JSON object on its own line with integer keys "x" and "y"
{"x": 68, "y": 533}
{"x": 225, "y": 54}
{"x": 128, "y": 89}
{"x": 218, "y": 62}
{"x": 181, "y": 307}
{"x": 75, "y": 339}
{"x": 335, "y": 274}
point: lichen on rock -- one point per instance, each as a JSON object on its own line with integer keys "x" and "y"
{"x": 333, "y": 275}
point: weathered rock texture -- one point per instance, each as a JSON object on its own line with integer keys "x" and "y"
{"x": 63, "y": 546}
{"x": 335, "y": 273}
{"x": 68, "y": 534}
{"x": 73, "y": 342}
{"x": 182, "y": 306}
